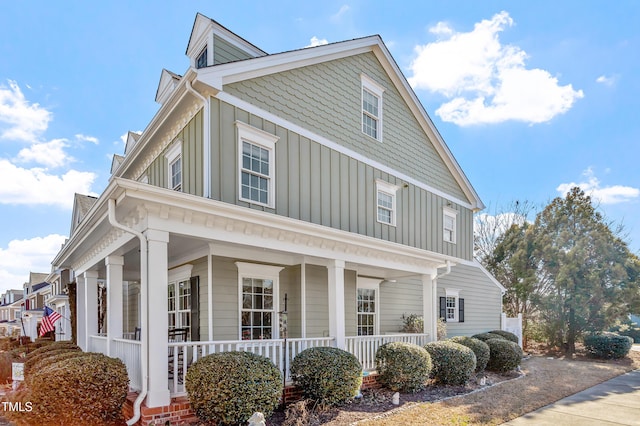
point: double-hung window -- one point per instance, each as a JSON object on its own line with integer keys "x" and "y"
{"x": 367, "y": 306}
{"x": 449, "y": 219}
{"x": 174, "y": 163}
{"x": 452, "y": 306}
{"x": 371, "y": 108}
{"x": 179, "y": 299}
{"x": 258, "y": 301}
{"x": 201, "y": 61}
{"x": 386, "y": 202}
{"x": 256, "y": 165}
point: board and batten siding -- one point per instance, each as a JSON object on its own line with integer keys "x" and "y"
{"x": 326, "y": 99}
{"x": 192, "y": 172}
{"x": 316, "y": 184}
{"x": 482, "y": 300}
{"x": 224, "y": 52}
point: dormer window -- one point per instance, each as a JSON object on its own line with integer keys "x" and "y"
{"x": 201, "y": 62}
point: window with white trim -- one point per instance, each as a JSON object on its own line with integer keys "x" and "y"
{"x": 174, "y": 166}
{"x": 449, "y": 219}
{"x": 386, "y": 202}
{"x": 201, "y": 61}
{"x": 258, "y": 303}
{"x": 256, "y": 165}
{"x": 179, "y": 299}
{"x": 367, "y": 306}
{"x": 371, "y": 107}
{"x": 451, "y": 306}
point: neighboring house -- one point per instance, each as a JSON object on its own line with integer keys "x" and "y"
{"x": 58, "y": 300}
{"x": 10, "y": 303}
{"x": 313, "y": 177}
{"x": 36, "y": 290}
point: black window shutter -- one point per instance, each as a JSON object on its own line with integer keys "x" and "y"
{"x": 460, "y": 310}
{"x": 443, "y": 308}
{"x": 195, "y": 308}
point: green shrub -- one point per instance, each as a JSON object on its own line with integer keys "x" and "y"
{"x": 89, "y": 390}
{"x": 412, "y": 323}
{"x": 607, "y": 345}
{"x": 507, "y": 335}
{"x": 50, "y": 347}
{"x": 32, "y": 360}
{"x": 486, "y": 336}
{"x": 441, "y": 328}
{"x": 479, "y": 348}
{"x": 505, "y": 355}
{"x": 403, "y": 366}
{"x": 229, "y": 387}
{"x": 452, "y": 362}
{"x": 627, "y": 328}
{"x": 327, "y": 375}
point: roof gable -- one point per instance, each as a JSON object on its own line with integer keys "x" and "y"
{"x": 81, "y": 206}
{"x": 132, "y": 139}
{"x": 168, "y": 81}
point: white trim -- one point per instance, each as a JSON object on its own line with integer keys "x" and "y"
{"x": 303, "y": 299}
{"x": 181, "y": 273}
{"x": 173, "y": 153}
{"x": 278, "y": 121}
{"x": 455, "y": 293}
{"x": 370, "y": 284}
{"x": 255, "y": 136}
{"x": 391, "y": 190}
{"x": 371, "y": 86}
{"x": 264, "y": 272}
{"x": 451, "y": 214}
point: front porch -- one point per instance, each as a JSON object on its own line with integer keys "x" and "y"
{"x": 280, "y": 351}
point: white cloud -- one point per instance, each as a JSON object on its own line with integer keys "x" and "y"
{"x": 315, "y": 41}
{"x": 23, "y": 256}
{"x": 487, "y": 82}
{"x": 338, "y": 15}
{"x": 50, "y": 154}
{"x": 37, "y": 186}
{"x": 607, "y": 81}
{"x": 20, "y": 119}
{"x": 614, "y": 194}
{"x": 85, "y": 138}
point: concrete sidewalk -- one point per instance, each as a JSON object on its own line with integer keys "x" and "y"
{"x": 614, "y": 402}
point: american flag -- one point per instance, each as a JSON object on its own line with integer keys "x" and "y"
{"x": 50, "y": 316}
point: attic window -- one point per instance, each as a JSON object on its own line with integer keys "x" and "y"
{"x": 201, "y": 62}
{"x": 371, "y": 108}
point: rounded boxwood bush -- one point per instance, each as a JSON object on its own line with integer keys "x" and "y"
{"x": 31, "y": 360}
{"x": 52, "y": 346}
{"x": 505, "y": 355}
{"x": 607, "y": 345}
{"x": 89, "y": 389}
{"x": 479, "y": 348}
{"x": 403, "y": 366}
{"x": 453, "y": 363}
{"x": 486, "y": 336}
{"x": 507, "y": 335}
{"x": 327, "y": 375}
{"x": 228, "y": 387}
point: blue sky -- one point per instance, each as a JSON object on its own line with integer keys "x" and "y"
{"x": 531, "y": 97}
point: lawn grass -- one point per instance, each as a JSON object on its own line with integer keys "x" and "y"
{"x": 546, "y": 380}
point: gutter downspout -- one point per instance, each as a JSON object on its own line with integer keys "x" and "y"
{"x": 144, "y": 248}
{"x": 434, "y": 297}
{"x": 206, "y": 143}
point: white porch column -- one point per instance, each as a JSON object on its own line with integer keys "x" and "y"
{"x": 91, "y": 305}
{"x": 336, "y": 302}
{"x": 429, "y": 301}
{"x": 114, "y": 266}
{"x": 81, "y": 329}
{"x": 157, "y": 323}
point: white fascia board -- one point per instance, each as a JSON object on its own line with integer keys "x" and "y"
{"x": 202, "y": 28}
{"x": 232, "y": 100}
{"x": 490, "y": 275}
{"x": 401, "y": 83}
{"x": 265, "y": 65}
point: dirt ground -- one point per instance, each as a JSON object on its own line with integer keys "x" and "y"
{"x": 546, "y": 377}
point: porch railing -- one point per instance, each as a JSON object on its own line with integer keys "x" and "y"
{"x": 130, "y": 352}
{"x": 365, "y": 347}
{"x": 98, "y": 344}
{"x": 184, "y": 354}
